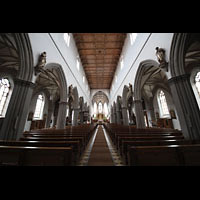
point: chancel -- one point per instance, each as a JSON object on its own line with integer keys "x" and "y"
{"x": 99, "y": 99}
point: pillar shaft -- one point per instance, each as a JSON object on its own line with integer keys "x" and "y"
{"x": 17, "y": 112}
{"x": 139, "y": 114}
{"x": 75, "y": 118}
{"x": 186, "y": 106}
{"x": 125, "y": 116}
{"x": 61, "y": 119}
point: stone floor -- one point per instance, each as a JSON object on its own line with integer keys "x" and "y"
{"x": 105, "y": 151}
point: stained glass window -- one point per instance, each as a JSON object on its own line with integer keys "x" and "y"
{"x": 39, "y": 107}
{"x": 4, "y": 91}
{"x": 105, "y": 106}
{"x": 100, "y": 107}
{"x": 197, "y": 82}
{"x": 95, "y": 109}
{"x": 163, "y": 103}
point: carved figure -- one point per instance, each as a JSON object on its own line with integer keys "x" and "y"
{"x": 41, "y": 63}
{"x": 160, "y": 53}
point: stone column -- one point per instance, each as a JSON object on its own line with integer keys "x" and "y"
{"x": 150, "y": 110}
{"x": 118, "y": 116}
{"x": 125, "y": 115}
{"x": 75, "y": 118}
{"x": 111, "y": 115}
{"x": 17, "y": 112}
{"x": 50, "y": 113}
{"x": 61, "y": 119}
{"x": 139, "y": 114}
{"x": 70, "y": 114}
{"x": 115, "y": 117}
{"x": 81, "y": 116}
{"x": 186, "y": 106}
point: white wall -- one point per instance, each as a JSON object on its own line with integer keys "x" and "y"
{"x": 59, "y": 52}
{"x": 142, "y": 49}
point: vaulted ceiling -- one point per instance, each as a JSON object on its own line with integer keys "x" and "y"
{"x": 99, "y": 54}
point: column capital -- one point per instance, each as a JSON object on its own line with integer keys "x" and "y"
{"x": 24, "y": 82}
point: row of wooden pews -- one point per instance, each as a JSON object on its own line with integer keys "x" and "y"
{"x": 47, "y": 147}
{"x": 153, "y": 146}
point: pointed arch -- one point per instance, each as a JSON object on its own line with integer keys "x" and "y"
{"x": 25, "y": 53}
{"x": 144, "y": 65}
{"x": 177, "y": 53}
{"x": 62, "y": 79}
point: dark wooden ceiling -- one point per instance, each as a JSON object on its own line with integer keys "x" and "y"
{"x": 99, "y": 54}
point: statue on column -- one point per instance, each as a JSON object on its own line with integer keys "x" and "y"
{"x": 160, "y": 53}
{"x": 131, "y": 88}
{"x": 70, "y": 90}
{"x": 41, "y": 63}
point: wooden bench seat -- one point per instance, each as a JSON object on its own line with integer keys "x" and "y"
{"x": 168, "y": 155}
{"x": 75, "y": 145}
{"x": 81, "y": 139}
{"x": 149, "y": 138}
{"x": 153, "y": 156}
{"x": 126, "y": 144}
{"x": 117, "y": 136}
{"x": 86, "y": 137}
{"x": 35, "y": 156}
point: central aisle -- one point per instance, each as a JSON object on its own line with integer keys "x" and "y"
{"x": 100, "y": 154}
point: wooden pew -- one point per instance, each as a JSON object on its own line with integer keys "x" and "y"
{"x": 121, "y": 129}
{"x": 169, "y": 155}
{"x": 41, "y": 135}
{"x": 146, "y": 135}
{"x": 35, "y": 156}
{"x": 191, "y": 154}
{"x": 10, "y": 156}
{"x": 81, "y": 134}
{"x": 63, "y": 139}
{"x": 153, "y": 156}
{"x": 75, "y": 145}
{"x": 126, "y": 144}
{"x": 147, "y": 138}
{"x": 47, "y": 156}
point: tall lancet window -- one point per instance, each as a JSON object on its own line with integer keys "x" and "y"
{"x": 100, "y": 107}
{"x": 163, "y": 103}
{"x": 4, "y": 91}
{"x": 95, "y": 109}
{"x": 39, "y": 107}
{"x": 105, "y": 106}
{"x": 197, "y": 82}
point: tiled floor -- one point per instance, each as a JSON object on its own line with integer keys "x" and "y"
{"x": 113, "y": 151}
{"x": 100, "y": 155}
{"x": 117, "y": 161}
{"x": 85, "y": 157}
